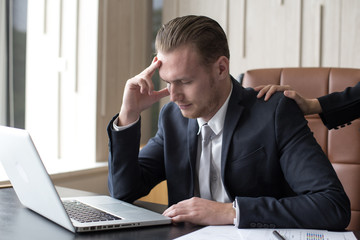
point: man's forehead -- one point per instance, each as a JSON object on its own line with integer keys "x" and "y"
{"x": 177, "y": 63}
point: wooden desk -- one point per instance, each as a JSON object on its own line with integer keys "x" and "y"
{"x": 18, "y": 222}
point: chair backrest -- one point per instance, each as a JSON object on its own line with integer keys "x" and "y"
{"x": 342, "y": 146}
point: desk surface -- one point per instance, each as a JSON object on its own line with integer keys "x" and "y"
{"x": 18, "y": 222}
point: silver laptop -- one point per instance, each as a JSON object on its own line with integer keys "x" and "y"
{"x": 36, "y": 191}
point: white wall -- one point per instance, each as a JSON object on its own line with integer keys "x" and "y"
{"x": 125, "y": 29}
{"x": 282, "y": 33}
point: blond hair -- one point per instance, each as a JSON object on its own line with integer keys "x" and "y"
{"x": 202, "y": 32}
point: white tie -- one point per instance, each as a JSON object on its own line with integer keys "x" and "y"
{"x": 205, "y": 162}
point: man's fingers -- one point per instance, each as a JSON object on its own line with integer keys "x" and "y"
{"x": 147, "y": 74}
{"x": 162, "y": 93}
{"x": 145, "y": 86}
{"x": 177, "y": 209}
{"x": 166, "y": 212}
{"x": 178, "y": 214}
{"x": 149, "y": 71}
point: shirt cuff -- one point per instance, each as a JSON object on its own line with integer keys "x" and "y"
{"x": 120, "y": 128}
{"x": 237, "y": 210}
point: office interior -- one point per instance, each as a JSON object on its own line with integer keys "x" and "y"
{"x": 64, "y": 64}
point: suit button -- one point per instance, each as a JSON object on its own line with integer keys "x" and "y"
{"x": 253, "y": 225}
{"x": 259, "y": 225}
{"x": 272, "y": 226}
{"x": 266, "y": 225}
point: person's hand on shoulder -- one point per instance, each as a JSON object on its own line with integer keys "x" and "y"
{"x": 307, "y": 106}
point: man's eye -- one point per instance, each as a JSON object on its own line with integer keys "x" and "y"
{"x": 185, "y": 82}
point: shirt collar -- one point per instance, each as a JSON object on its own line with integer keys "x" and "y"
{"x": 216, "y": 123}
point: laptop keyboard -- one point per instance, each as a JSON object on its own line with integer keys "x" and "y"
{"x": 84, "y": 213}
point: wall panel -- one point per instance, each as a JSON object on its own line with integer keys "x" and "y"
{"x": 124, "y": 51}
{"x": 212, "y": 8}
{"x": 274, "y": 33}
{"x": 321, "y": 27}
{"x": 350, "y": 34}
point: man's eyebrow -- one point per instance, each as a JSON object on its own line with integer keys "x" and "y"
{"x": 173, "y": 81}
{"x": 164, "y": 80}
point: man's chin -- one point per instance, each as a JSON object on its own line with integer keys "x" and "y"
{"x": 187, "y": 114}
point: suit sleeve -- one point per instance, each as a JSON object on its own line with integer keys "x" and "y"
{"x": 132, "y": 174}
{"x": 340, "y": 108}
{"x": 319, "y": 201}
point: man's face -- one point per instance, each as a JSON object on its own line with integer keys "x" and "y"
{"x": 192, "y": 86}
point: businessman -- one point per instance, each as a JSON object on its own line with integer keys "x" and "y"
{"x": 228, "y": 157}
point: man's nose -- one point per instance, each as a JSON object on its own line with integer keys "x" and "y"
{"x": 175, "y": 93}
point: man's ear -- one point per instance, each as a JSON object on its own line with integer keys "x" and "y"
{"x": 222, "y": 67}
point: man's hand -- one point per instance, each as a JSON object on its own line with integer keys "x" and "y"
{"x": 139, "y": 94}
{"x": 202, "y": 212}
{"x": 307, "y": 106}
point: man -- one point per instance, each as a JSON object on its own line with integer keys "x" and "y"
{"x": 262, "y": 156}
{"x": 335, "y": 109}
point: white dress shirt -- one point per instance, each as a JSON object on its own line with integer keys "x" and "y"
{"x": 216, "y": 124}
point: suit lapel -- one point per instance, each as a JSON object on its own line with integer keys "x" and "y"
{"x": 232, "y": 117}
{"x": 233, "y": 114}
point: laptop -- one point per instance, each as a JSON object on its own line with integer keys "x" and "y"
{"x": 37, "y": 192}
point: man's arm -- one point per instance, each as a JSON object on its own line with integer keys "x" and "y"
{"x": 122, "y": 163}
{"x": 130, "y": 176}
{"x": 126, "y": 174}
{"x": 320, "y": 200}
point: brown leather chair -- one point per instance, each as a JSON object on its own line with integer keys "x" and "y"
{"x": 342, "y": 146}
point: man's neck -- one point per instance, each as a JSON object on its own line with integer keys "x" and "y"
{"x": 220, "y": 111}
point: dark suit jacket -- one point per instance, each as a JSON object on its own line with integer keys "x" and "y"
{"x": 271, "y": 163}
{"x": 340, "y": 108}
